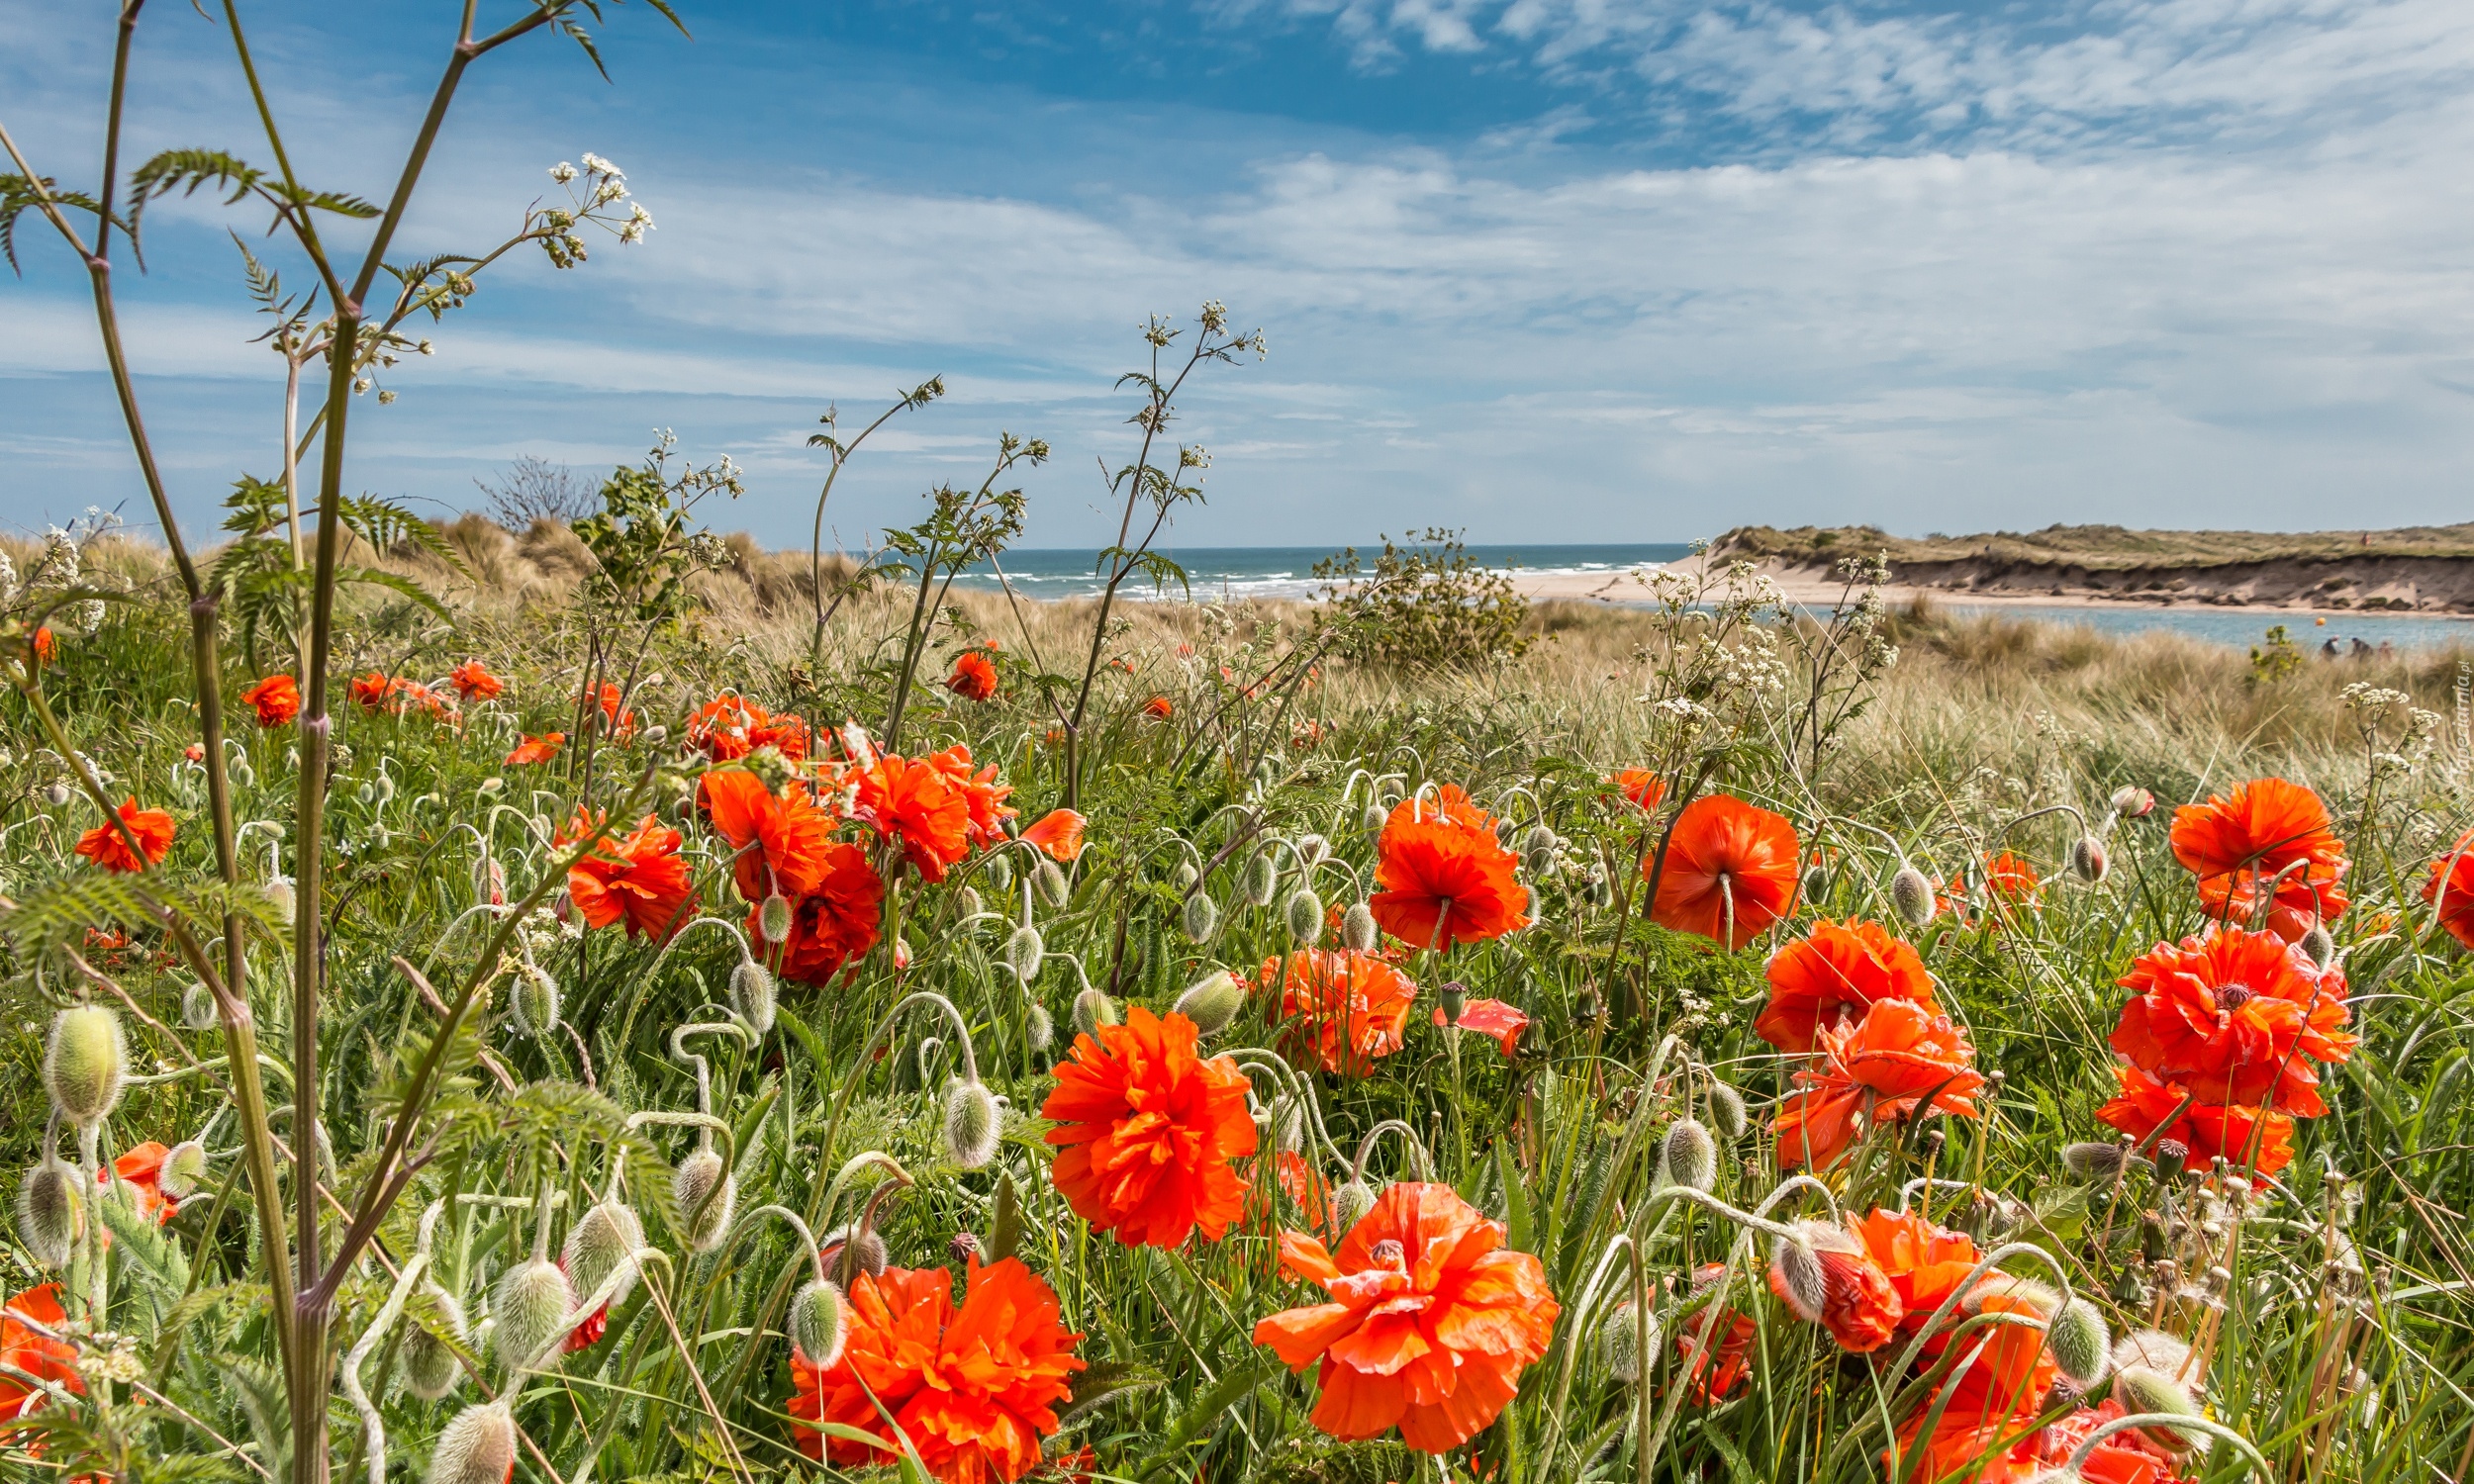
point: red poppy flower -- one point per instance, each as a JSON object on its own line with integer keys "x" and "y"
{"x": 782, "y": 838}
{"x": 1708, "y": 1378}
{"x": 142, "y": 1168}
{"x": 973, "y": 1388}
{"x": 371, "y": 692}
{"x": 835, "y": 924}
{"x": 1855, "y": 1302}
{"x": 2450, "y": 889}
{"x": 2250, "y": 1138}
{"x": 1058, "y": 832}
{"x": 276, "y": 697}
{"x": 38, "y": 1357}
{"x": 1447, "y": 879}
{"x": 1158, "y": 708}
{"x": 618, "y": 719}
{"x": 730, "y": 727}
{"x": 473, "y": 681}
{"x": 974, "y": 677}
{"x": 638, "y": 881}
{"x": 1838, "y": 971}
{"x": 1985, "y": 1404}
{"x": 1146, "y": 1129}
{"x": 1926, "y": 1263}
{"x": 1644, "y": 788}
{"x": 195, "y": 751}
{"x": 44, "y": 644}
{"x": 2236, "y": 1017}
{"x": 1880, "y": 1070}
{"x": 981, "y": 790}
{"x": 1728, "y": 862}
{"x": 1431, "y": 1322}
{"x": 107, "y": 848}
{"x": 2267, "y": 843}
{"x": 538, "y": 749}
{"x": 1343, "y": 1008}
{"x": 1491, "y": 1017}
{"x": 2128, "y": 1457}
{"x": 917, "y": 807}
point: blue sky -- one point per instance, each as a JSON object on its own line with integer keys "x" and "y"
{"x": 1578, "y": 270}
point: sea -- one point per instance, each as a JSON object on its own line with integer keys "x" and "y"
{"x": 1237, "y": 572}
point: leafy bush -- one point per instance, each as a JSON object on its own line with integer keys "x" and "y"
{"x": 1425, "y": 603}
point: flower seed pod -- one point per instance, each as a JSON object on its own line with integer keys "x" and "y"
{"x": 1092, "y": 1009}
{"x": 1000, "y": 872}
{"x": 772, "y": 919}
{"x": 2171, "y": 1154}
{"x": 752, "y": 995}
{"x": 84, "y": 1063}
{"x": 2152, "y": 1349}
{"x": 1350, "y": 1202}
{"x": 1048, "y": 879}
{"x": 604, "y": 1240}
{"x": 1374, "y": 819}
{"x": 1619, "y": 1343}
{"x": 1912, "y": 897}
{"x": 2321, "y": 945}
{"x": 477, "y": 1448}
{"x": 816, "y": 1324}
{"x": 534, "y": 1000}
{"x": 2132, "y": 802}
{"x": 51, "y": 1212}
{"x": 962, "y": 1247}
{"x": 1727, "y": 1106}
{"x": 2088, "y": 861}
{"x": 530, "y": 1305}
{"x": 1688, "y": 1157}
{"x": 972, "y": 1125}
{"x": 1797, "y": 1276}
{"x": 1259, "y": 881}
{"x": 1358, "y": 932}
{"x": 1303, "y": 917}
{"x": 185, "y": 1168}
{"x": 2077, "y": 1339}
{"x": 1039, "y": 1030}
{"x": 1201, "y": 918}
{"x": 197, "y": 1008}
{"x": 1452, "y": 997}
{"x": 431, "y": 1369}
{"x": 2140, "y": 1389}
{"x": 696, "y": 1175}
{"x": 1026, "y": 952}
{"x": 1211, "y": 1002}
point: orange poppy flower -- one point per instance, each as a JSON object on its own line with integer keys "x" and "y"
{"x": 972, "y": 1387}
{"x": 781, "y": 838}
{"x": 1303, "y": 1184}
{"x": 2250, "y": 1138}
{"x": 1345, "y": 1009}
{"x": 1145, "y": 1129}
{"x": 142, "y": 1168}
{"x": 46, "y": 645}
{"x": 371, "y": 692}
{"x": 2450, "y": 889}
{"x": 620, "y": 719}
{"x": 107, "y": 848}
{"x": 1447, "y": 879}
{"x": 981, "y": 790}
{"x": 1925, "y": 1262}
{"x": 473, "y": 681}
{"x": 638, "y": 881}
{"x": 1708, "y": 1378}
{"x": 1880, "y": 1070}
{"x": 917, "y": 807}
{"x": 728, "y": 727}
{"x": 835, "y": 924}
{"x": 1058, "y": 832}
{"x": 2126, "y": 1457}
{"x": 38, "y": 1357}
{"x": 1644, "y": 788}
{"x": 1491, "y": 1017}
{"x": 1431, "y": 1322}
{"x": 1838, "y": 970}
{"x": 2262, "y": 832}
{"x": 1725, "y": 861}
{"x": 2236, "y": 1017}
{"x": 277, "y": 700}
{"x": 1855, "y": 1302}
{"x": 974, "y": 677}
{"x": 1158, "y": 708}
{"x": 538, "y": 749}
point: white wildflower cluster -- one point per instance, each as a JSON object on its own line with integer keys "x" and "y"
{"x": 605, "y": 186}
{"x": 1672, "y": 590}
{"x": 8, "y": 580}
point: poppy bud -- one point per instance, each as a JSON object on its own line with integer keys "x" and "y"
{"x": 1304, "y": 914}
{"x": 1797, "y": 1276}
{"x": 534, "y": 1000}
{"x": 84, "y": 1062}
{"x": 431, "y": 1369}
{"x": 1026, "y": 952}
{"x": 477, "y": 1448}
{"x": 2140, "y": 1389}
{"x": 2321, "y": 945}
{"x": 2088, "y": 861}
{"x": 967, "y": 904}
{"x": 1048, "y": 879}
{"x": 1350, "y": 1202}
{"x": 1816, "y": 884}
{"x": 1727, "y": 1106}
{"x": 197, "y": 1008}
{"x": 530, "y": 1305}
{"x": 2171, "y": 1154}
{"x": 1211, "y": 1002}
{"x": 772, "y": 919}
{"x": 696, "y": 1176}
{"x": 1688, "y": 1157}
{"x": 1619, "y": 1343}
{"x": 1452, "y": 997}
{"x": 281, "y": 896}
{"x": 817, "y": 1326}
{"x": 1039, "y": 1031}
{"x": 489, "y": 880}
{"x": 2133, "y": 802}
{"x": 1358, "y": 930}
{"x": 56, "y": 793}
{"x": 1312, "y": 849}
{"x": 1185, "y": 876}
{"x": 2077, "y": 1339}
{"x": 2094, "y": 1162}
{"x": 1912, "y": 895}
{"x": 751, "y": 994}
{"x": 1201, "y": 918}
{"x": 183, "y": 1167}
{"x": 866, "y": 1254}
{"x": 1538, "y": 862}
{"x": 604, "y": 1240}
{"x": 51, "y": 1212}
{"x": 1000, "y": 872}
{"x": 1092, "y": 1009}
{"x": 1373, "y": 818}
{"x": 1260, "y": 880}
{"x": 770, "y": 766}
{"x": 1283, "y": 1124}
{"x": 972, "y": 1124}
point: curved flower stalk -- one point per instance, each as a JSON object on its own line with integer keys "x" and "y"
{"x": 373, "y": 1426}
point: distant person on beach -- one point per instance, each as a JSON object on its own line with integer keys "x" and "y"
{"x": 2329, "y": 650}
{"x": 2388, "y": 651}
{"x": 2361, "y": 650}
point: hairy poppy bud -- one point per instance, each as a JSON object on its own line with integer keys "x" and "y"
{"x": 431, "y": 1369}
{"x": 1688, "y": 1157}
{"x": 56, "y": 793}
{"x": 1283, "y": 1124}
{"x": 1304, "y": 914}
{"x": 1358, "y": 932}
{"x": 1201, "y": 918}
{"x": 2094, "y": 1162}
{"x": 1048, "y": 879}
{"x": 866, "y": 1253}
{"x": 602, "y": 1242}
{"x": 283, "y": 899}
{"x": 1092, "y": 1009}
{"x": 1026, "y": 951}
{"x": 696, "y": 1176}
{"x": 1350, "y": 1202}
{"x": 84, "y": 1062}
{"x": 2133, "y": 802}
{"x": 183, "y": 1169}
{"x": 1912, "y": 895}
{"x": 489, "y": 879}
{"x": 1538, "y": 862}
{"x": 1797, "y": 1275}
{"x": 477, "y": 1448}
{"x": 967, "y": 904}
{"x": 1211, "y": 1002}
{"x": 1727, "y": 1106}
{"x": 1619, "y": 1343}
{"x": 534, "y": 1000}
{"x": 197, "y": 1008}
{"x": 972, "y": 1124}
{"x": 1259, "y": 880}
{"x": 751, "y": 994}
{"x": 1816, "y": 884}
{"x": 1039, "y": 1031}
{"x": 2321, "y": 945}
{"x": 530, "y": 1305}
{"x": 2140, "y": 1389}
{"x": 816, "y": 1325}
{"x": 772, "y": 919}
{"x": 2088, "y": 861}
{"x": 1185, "y": 876}
{"x": 2078, "y": 1341}
{"x": 1373, "y": 818}
{"x": 2171, "y": 1154}
{"x": 1538, "y": 837}
{"x": 1000, "y": 872}
{"x": 1312, "y": 849}
{"x": 51, "y": 1212}
{"x": 1452, "y": 997}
